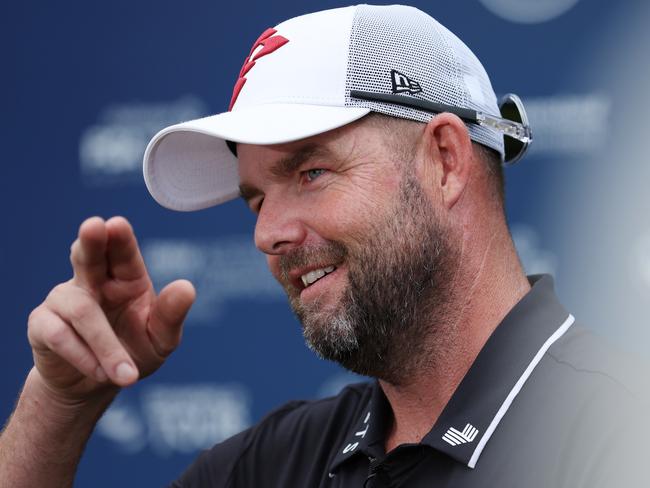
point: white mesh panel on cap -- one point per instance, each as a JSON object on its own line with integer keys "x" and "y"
{"x": 411, "y": 42}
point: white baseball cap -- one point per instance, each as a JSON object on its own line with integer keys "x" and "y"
{"x": 321, "y": 71}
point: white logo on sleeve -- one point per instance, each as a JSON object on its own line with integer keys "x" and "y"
{"x": 453, "y": 437}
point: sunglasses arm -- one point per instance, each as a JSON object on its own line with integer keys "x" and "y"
{"x": 509, "y": 128}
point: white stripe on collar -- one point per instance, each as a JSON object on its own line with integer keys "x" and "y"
{"x": 515, "y": 389}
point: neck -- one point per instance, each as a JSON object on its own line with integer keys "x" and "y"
{"x": 486, "y": 287}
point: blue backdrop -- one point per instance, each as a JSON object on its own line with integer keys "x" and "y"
{"x": 86, "y": 84}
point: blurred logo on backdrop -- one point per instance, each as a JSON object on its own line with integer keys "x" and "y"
{"x": 184, "y": 418}
{"x": 223, "y": 270}
{"x": 111, "y": 150}
{"x": 569, "y": 125}
{"x": 170, "y": 419}
{"x": 528, "y": 11}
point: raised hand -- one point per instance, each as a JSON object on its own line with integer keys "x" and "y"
{"x": 106, "y": 326}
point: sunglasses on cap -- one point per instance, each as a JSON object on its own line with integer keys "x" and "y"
{"x": 513, "y": 123}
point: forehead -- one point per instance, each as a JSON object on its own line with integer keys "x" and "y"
{"x": 347, "y": 143}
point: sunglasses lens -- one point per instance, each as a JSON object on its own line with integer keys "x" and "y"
{"x": 511, "y": 108}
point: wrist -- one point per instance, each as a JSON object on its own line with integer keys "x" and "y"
{"x": 58, "y": 408}
{"x": 43, "y": 441}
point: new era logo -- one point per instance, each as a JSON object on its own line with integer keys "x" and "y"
{"x": 403, "y": 84}
{"x": 454, "y": 437}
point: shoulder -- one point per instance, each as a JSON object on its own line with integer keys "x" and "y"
{"x": 296, "y": 433}
{"x": 604, "y": 399}
{"x": 598, "y": 362}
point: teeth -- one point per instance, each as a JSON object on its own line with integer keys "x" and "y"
{"x": 315, "y": 275}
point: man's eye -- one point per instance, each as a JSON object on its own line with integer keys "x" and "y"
{"x": 312, "y": 174}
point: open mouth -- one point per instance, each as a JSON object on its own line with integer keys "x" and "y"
{"x": 313, "y": 276}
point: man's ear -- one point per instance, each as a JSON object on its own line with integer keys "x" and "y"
{"x": 449, "y": 153}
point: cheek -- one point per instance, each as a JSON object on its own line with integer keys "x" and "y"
{"x": 368, "y": 189}
{"x": 351, "y": 210}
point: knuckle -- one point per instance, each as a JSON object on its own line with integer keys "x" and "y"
{"x": 81, "y": 308}
{"x": 58, "y": 291}
{"x": 55, "y": 334}
{"x": 34, "y": 316}
{"x": 115, "y": 356}
{"x": 165, "y": 349}
{"x": 34, "y": 323}
{"x": 74, "y": 251}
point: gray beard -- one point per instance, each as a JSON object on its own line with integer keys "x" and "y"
{"x": 395, "y": 301}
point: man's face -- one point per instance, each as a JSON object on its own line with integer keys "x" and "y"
{"x": 354, "y": 240}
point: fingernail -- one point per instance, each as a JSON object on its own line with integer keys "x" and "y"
{"x": 125, "y": 372}
{"x": 100, "y": 374}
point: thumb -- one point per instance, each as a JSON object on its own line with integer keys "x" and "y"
{"x": 169, "y": 310}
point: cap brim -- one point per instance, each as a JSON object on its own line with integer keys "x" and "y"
{"x": 188, "y": 166}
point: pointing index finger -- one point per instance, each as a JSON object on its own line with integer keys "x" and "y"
{"x": 88, "y": 253}
{"x": 124, "y": 258}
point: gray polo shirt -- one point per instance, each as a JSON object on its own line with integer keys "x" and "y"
{"x": 545, "y": 404}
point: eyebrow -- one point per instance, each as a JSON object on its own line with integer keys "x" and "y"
{"x": 287, "y": 166}
{"x": 248, "y": 192}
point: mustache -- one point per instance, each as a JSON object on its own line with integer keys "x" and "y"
{"x": 331, "y": 252}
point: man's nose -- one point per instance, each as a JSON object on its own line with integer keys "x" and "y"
{"x": 278, "y": 228}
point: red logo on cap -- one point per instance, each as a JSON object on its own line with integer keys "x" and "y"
{"x": 269, "y": 43}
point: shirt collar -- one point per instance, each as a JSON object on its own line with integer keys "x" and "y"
{"x": 368, "y": 432}
{"x": 486, "y": 392}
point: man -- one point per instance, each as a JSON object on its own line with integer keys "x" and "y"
{"x": 368, "y": 142}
